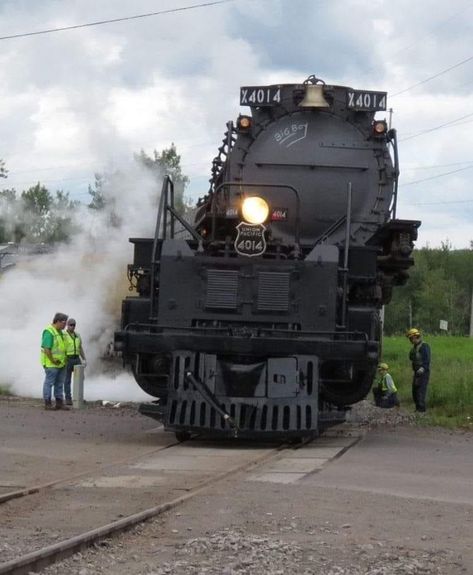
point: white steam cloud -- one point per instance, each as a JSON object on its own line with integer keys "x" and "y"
{"x": 86, "y": 280}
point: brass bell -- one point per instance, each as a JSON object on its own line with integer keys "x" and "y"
{"x": 314, "y": 97}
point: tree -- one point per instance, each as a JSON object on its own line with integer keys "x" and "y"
{"x": 439, "y": 288}
{"x": 46, "y": 218}
{"x": 3, "y": 170}
{"x": 8, "y": 216}
{"x": 168, "y": 162}
{"x": 441, "y": 298}
{"x": 37, "y": 200}
{"x": 61, "y": 226}
{"x": 98, "y": 200}
{"x": 103, "y": 196}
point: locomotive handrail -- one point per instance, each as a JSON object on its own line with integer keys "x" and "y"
{"x": 345, "y": 256}
{"x": 324, "y": 237}
{"x": 164, "y": 207}
{"x": 313, "y": 166}
{"x": 167, "y": 192}
{"x": 258, "y": 185}
{"x": 160, "y": 210}
{"x": 167, "y": 182}
{"x": 360, "y": 335}
{"x": 185, "y": 224}
{"x": 393, "y": 135}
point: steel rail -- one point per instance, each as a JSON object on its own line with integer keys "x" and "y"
{"x": 43, "y": 486}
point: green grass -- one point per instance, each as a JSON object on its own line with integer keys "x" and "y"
{"x": 450, "y": 391}
{"x": 4, "y": 390}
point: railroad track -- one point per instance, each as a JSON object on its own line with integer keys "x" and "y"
{"x": 122, "y": 494}
{"x": 37, "y": 488}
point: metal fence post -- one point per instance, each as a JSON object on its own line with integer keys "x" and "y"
{"x": 78, "y": 387}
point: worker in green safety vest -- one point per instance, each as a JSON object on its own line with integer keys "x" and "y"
{"x": 75, "y": 356}
{"x": 53, "y": 360}
{"x": 385, "y": 391}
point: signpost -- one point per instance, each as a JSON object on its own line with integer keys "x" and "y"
{"x": 78, "y": 387}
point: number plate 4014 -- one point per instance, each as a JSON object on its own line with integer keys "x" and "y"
{"x": 260, "y": 96}
{"x": 365, "y": 100}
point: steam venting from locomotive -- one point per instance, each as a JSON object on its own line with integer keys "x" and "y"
{"x": 261, "y": 318}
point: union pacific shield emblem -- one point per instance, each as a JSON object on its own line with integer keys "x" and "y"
{"x": 250, "y": 240}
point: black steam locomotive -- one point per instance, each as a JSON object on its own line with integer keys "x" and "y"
{"x": 264, "y": 321}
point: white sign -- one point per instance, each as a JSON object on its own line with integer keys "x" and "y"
{"x": 444, "y": 325}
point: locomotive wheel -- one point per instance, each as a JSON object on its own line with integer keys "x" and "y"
{"x": 152, "y": 383}
{"x": 350, "y": 391}
{"x": 148, "y": 386}
{"x": 182, "y": 436}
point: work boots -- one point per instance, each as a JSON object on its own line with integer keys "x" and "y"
{"x": 60, "y": 405}
{"x": 48, "y": 404}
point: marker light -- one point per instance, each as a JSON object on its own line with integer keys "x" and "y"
{"x": 244, "y": 123}
{"x": 255, "y": 210}
{"x": 379, "y": 128}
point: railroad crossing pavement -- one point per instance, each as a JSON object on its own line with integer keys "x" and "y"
{"x": 420, "y": 465}
{"x": 295, "y": 465}
{"x": 185, "y": 460}
{"x": 429, "y": 464}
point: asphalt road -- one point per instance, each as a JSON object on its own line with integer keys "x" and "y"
{"x": 428, "y": 464}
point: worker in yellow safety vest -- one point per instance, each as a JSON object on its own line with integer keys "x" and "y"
{"x": 385, "y": 391}
{"x": 75, "y": 355}
{"x": 53, "y": 360}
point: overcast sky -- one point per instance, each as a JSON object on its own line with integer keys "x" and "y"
{"x": 79, "y": 101}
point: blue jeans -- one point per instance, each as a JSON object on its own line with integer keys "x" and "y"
{"x": 54, "y": 378}
{"x": 71, "y": 362}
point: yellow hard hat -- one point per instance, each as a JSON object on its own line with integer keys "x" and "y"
{"x": 412, "y": 331}
{"x": 383, "y": 366}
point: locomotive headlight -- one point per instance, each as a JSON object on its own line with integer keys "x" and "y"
{"x": 255, "y": 210}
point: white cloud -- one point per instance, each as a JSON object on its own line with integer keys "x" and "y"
{"x": 57, "y": 132}
{"x": 77, "y": 100}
